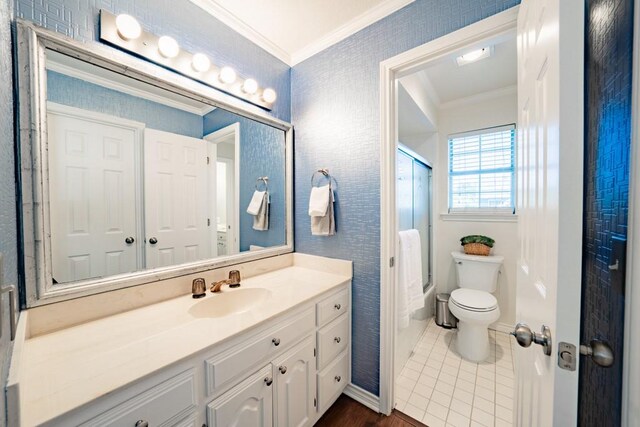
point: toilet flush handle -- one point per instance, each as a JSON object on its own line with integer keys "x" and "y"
{"x": 525, "y": 337}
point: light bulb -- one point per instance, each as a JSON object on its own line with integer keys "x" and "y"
{"x": 227, "y": 75}
{"x": 250, "y": 86}
{"x": 168, "y": 47}
{"x": 472, "y": 56}
{"x": 128, "y": 27}
{"x": 269, "y": 95}
{"x": 200, "y": 62}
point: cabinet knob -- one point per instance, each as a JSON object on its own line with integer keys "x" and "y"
{"x": 276, "y": 341}
{"x": 129, "y": 240}
{"x": 337, "y": 340}
{"x": 142, "y": 423}
{"x": 153, "y": 240}
{"x": 338, "y": 306}
{"x": 338, "y": 378}
{"x": 268, "y": 381}
{"x": 283, "y": 369}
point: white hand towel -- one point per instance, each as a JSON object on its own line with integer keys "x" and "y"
{"x": 319, "y": 200}
{"x": 325, "y": 225}
{"x": 410, "y": 297}
{"x": 261, "y": 219}
{"x": 256, "y": 202}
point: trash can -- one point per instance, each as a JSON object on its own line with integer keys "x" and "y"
{"x": 444, "y": 317}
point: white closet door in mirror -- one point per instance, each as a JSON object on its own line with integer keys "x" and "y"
{"x": 93, "y": 196}
{"x": 176, "y": 209}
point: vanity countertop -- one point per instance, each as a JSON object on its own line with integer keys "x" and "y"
{"x": 66, "y": 369}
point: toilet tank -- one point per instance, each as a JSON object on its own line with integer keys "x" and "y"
{"x": 477, "y": 272}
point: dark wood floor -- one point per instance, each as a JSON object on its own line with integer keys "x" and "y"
{"x": 348, "y": 412}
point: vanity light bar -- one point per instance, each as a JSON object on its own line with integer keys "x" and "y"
{"x": 125, "y": 32}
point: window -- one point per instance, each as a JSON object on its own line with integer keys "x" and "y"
{"x": 481, "y": 170}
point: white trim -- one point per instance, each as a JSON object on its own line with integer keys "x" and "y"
{"x": 215, "y": 137}
{"x": 480, "y": 97}
{"x": 479, "y": 217}
{"x": 360, "y": 395}
{"x": 128, "y": 89}
{"x": 329, "y": 39}
{"x": 501, "y": 24}
{"x": 631, "y": 369}
{"x": 240, "y": 27}
{"x": 348, "y": 29}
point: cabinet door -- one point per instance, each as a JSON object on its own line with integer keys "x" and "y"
{"x": 296, "y": 385}
{"x": 249, "y": 404}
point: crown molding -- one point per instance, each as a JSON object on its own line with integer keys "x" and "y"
{"x": 240, "y": 27}
{"x": 348, "y": 29}
{"x": 484, "y": 96}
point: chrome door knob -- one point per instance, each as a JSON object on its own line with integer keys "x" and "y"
{"x": 142, "y": 423}
{"x": 276, "y": 341}
{"x": 525, "y": 337}
{"x": 153, "y": 240}
{"x": 129, "y": 240}
{"x": 599, "y": 351}
{"x": 283, "y": 369}
{"x": 268, "y": 381}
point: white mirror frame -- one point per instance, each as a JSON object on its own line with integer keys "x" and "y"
{"x": 32, "y": 154}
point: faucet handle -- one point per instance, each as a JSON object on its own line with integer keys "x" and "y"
{"x": 198, "y": 287}
{"x": 234, "y": 278}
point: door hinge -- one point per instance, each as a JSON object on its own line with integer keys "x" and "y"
{"x": 208, "y": 222}
{"x": 208, "y": 160}
{"x": 314, "y": 402}
{"x": 392, "y": 261}
{"x": 314, "y": 352}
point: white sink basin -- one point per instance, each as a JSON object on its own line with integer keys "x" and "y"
{"x": 229, "y": 302}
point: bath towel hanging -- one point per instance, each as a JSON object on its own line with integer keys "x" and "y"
{"x": 321, "y": 205}
{"x": 259, "y": 205}
{"x": 410, "y": 297}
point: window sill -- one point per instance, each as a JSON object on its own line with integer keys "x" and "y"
{"x": 479, "y": 217}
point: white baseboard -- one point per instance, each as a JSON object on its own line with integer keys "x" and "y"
{"x": 360, "y": 395}
{"x": 502, "y": 327}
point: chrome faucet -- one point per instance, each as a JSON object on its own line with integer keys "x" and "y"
{"x": 233, "y": 281}
{"x": 198, "y": 288}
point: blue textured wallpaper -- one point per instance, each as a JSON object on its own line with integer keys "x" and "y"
{"x": 77, "y": 93}
{"x": 608, "y": 99}
{"x": 194, "y": 29}
{"x": 8, "y": 229}
{"x": 262, "y": 153}
{"x": 335, "y": 109}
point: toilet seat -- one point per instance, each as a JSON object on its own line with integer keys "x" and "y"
{"x": 473, "y": 300}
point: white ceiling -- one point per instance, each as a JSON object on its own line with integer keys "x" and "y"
{"x": 412, "y": 120}
{"x": 294, "y": 30}
{"x": 451, "y": 82}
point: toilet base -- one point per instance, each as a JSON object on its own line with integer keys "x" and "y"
{"x": 472, "y": 341}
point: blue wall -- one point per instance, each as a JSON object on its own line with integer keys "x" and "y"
{"x": 262, "y": 153}
{"x": 335, "y": 109}
{"x": 194, "y": 29}
{"x": 77, "y": 93}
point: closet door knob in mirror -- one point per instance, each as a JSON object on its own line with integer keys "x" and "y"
{"x": 153, "y": 240}
{"x": 129, "y": 240}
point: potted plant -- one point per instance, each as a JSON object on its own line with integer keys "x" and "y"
{"x": 477, "y": 244}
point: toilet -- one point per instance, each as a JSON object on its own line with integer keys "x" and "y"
{"x": 473, "y": 303}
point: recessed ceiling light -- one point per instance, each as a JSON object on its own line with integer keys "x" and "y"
{"x": 473, "y": 56}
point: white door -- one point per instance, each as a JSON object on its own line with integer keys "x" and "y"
{"x": 93, "y": 199}
{"x": 176, "y": 209}
{"x": 296, "y": 386}
{"x": 549, "y": 152}
{"x": 249, "y": 404}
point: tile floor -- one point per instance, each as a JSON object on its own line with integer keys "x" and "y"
{"x": 438, "y": 388}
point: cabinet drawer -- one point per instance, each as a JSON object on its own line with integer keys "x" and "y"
{"x": 162, "y": 405}
{"x": 333, "y": 306}
{"x": 332, "y": 380}
{"x": 332, "y": 340}
{"x": 222, "y": 368}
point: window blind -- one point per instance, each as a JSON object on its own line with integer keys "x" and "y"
{"x": 481, "y": 170}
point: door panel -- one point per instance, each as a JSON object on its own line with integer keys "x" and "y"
{"x": 93, "y": 197}
{"x": 176, "y": 211}
{"x": 609, "y": 51}
{"x": 549, "y": 181}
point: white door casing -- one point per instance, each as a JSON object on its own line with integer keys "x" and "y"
{"x": 175, "y": 198}
{"x": 549, "y": 202}
{"x": 93, "y": 194}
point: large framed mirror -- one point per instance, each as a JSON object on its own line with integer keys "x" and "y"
{"x": 131, "y": 173}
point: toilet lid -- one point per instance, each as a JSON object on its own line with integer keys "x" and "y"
{"x": 474, "y": 300}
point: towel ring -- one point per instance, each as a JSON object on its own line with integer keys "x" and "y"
{"x": 325, "y": 173}
{"x": 265, "y": 181}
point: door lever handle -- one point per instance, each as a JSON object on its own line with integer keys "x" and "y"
{"x": 525, "y": 337}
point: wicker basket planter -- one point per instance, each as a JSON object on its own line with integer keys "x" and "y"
{"x": 476, "y": 249}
